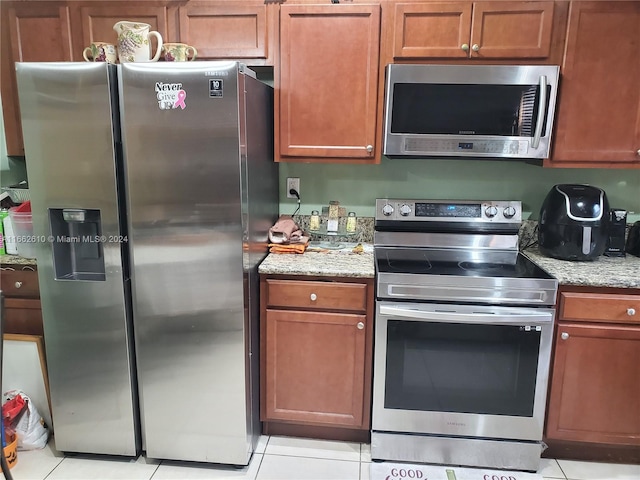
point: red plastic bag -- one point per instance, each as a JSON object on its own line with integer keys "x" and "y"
{"x": 11, "y": 412}
{"x": 26, "y": 422}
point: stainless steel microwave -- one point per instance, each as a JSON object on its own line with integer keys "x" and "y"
{"x": 495, "y": 111}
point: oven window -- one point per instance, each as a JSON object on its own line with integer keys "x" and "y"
{"x": 464, "y": 368}
{"x": 451, "y": 109}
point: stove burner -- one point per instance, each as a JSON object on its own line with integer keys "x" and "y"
{"x": 486, "y": 268}
{"x": 415, "y": 265}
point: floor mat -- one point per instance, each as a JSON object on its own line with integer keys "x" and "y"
{"x": 408, "y": 471}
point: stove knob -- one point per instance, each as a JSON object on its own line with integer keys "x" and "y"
{"x": 387, "y": 210}
{"x": 405, "y": 210}
{"x": 491, "y": 211}
{"x": 509, "y": 212}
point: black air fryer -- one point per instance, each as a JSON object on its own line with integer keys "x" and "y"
{"x": 574, "y": 222}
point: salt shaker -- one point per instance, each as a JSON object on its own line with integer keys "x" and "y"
{"x": 351, "y": 222}
{"x": 314, "y": 221}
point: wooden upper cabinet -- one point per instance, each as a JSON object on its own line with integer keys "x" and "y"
{"x": 30, "y": 32}
{"x": 327, "y": 83}
{"x": 245, "y": 31}
{"x": 428, "y": 30}
{"x": 598, "y": 114}
{"x": 511, "y": 29}
{"x": 476, "y": 30}
{"x": 96, "y": 21}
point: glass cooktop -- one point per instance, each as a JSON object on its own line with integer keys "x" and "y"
{"x": 419, "y": 262}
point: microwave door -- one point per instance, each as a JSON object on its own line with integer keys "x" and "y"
{"x": 488, "y": 116}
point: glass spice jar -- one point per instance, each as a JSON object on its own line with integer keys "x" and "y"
{"x": 314, "y": 220}
{"x": 351, "y": 222}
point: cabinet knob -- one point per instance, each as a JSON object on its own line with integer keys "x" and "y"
{"x": 475, "y": 47}
{"x": 19, "y": 284}
{"x": 631, "y": 312}
{"x": 465, "y": 47}
{"x": 313, "y": 297}
{"x": 638, "y": 152}
{"x": 369, "y": 148}
{"x": 564, "y": 335}
{"x": 360, "y": 325}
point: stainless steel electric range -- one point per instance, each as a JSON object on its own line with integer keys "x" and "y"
{"x": 463, "y": 333}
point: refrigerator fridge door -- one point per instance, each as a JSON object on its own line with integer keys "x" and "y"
{"x": 182, "y": 149}
{"x": 71, "y": 137}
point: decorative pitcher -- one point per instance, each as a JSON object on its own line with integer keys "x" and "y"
{"x": 134, "y": 44}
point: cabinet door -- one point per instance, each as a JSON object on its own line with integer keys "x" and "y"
{"x": 31, "y": 32}
{"x": 98, "y": 21}
{"x": 327, "y": 82}
{"x": 480, "y": 30}
{"x": 595, "y": 387}
{"x": 314, "y": 370}
{"x": 598, "y": 114}
{"x": 23, "y": 316}
{"x": 511, "y": 29}
{"x": 431, "y": 30}
{"x": 229, "y": 30}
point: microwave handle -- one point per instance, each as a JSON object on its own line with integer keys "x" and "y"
{"x": 542, "y": 112}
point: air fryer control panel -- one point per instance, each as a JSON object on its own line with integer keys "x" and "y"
{"x": 449, "y": 210}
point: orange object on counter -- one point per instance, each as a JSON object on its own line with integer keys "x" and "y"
{"x": 287, "y": 248}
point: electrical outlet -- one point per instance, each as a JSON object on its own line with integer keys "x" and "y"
{"x": 293, "y": 183}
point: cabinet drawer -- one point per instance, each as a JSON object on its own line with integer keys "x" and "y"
{"x": 19, "y": 283}
{"x": 317, "y": 295}
{"x": 600, "y": 307}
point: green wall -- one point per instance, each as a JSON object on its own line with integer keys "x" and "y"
{"x": 12, "y": 170}
{"x": 357, "y": 186}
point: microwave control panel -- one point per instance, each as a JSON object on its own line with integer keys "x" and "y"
{"x": 448, "y": 146}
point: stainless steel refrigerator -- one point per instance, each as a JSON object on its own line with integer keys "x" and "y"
{"x": 153, "y": 188}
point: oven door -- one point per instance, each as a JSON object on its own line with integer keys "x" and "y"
{"x": 461, "y": 370}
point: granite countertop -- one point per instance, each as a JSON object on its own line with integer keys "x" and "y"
{"x": 6, "y": 259}
{"x": 325, "y": 263}
{"x": 617, "y": 272}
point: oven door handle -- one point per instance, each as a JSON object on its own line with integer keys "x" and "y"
{"x": 468, "y": 317}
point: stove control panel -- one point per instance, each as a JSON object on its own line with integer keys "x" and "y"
{"x": 485, "y": 211}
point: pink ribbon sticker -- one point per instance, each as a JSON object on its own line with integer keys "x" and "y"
{"x": 180, "y": 102}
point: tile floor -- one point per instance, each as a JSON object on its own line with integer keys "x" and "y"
{"x": 277, "y": 458}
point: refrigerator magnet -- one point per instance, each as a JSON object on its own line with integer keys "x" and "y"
{"x": 170, "y": 96}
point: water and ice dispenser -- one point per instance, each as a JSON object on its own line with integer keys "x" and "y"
{"x": 78, "y": 252}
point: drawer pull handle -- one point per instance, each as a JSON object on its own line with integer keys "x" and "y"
{"x": 313, "y": 297}
{"x": 19, "y": 284}
{"x": 360, "y": 325}
{"x": 564, "y": 335}
{"x": 631, "y": 312}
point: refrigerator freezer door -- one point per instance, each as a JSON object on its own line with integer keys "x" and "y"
{"x": 70, "y": 143}
{"x": 180, "y": 126}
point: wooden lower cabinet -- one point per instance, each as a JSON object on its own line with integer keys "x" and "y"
{"x": 22, "y": 311}
{"x": 316, "y": 360}
{"x": 594, "y": 396}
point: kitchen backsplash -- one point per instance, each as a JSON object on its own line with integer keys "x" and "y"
{"x": 357, "y": 186}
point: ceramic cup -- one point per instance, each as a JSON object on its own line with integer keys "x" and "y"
{"x": 179, "y": 52}
{"x": 100, "y": 52}
{"x": 134, "y": 42}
